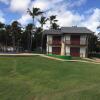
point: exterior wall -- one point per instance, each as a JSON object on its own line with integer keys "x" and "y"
{"x": 49, "y": 47}
{"x": 49, "y": 38}
{"x": 67, "y": 37}
{"x": 67, "y": 50}
{"x": 83, "y": 52}
{"x": 63, "y": 45}
{"x": 83, "y": 39}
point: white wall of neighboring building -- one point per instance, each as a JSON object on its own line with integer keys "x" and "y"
{"x": 82, "y": 51}
{"x": 49, "y": 47}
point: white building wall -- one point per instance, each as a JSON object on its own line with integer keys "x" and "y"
{"x": 83, "y": 39}
{"x": 63, "y": 45}
{"x": 82, "y": 51}
{"x": 49, "y": 38}
{"x": 67, "y": 50}
{"x": 67, "y": 37}
{"x": 49, "y": 47}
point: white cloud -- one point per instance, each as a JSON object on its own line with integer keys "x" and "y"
{"x": 25, "y": 19}
{"x": 77, "y": 3}
{"x": 65, "y": 16}
{"x": 2, "y": 19}
{"x": 5, "y": 1}
{"x": 93, "y": 20}
{"x": 45, "y": 4}
{"x": 19, "y": 5}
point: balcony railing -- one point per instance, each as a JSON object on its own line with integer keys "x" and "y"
{"x": 68, "y": 42}
{"x": 54, "y": 43}
{"x": 75, "y": 42}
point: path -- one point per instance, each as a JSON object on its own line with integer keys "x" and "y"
{"x": 53, "y": 58}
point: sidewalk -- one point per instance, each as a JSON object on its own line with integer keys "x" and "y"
{"x": 53, "y": 58}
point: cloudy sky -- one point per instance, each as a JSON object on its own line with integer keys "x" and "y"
{"x": 69, "y": 12}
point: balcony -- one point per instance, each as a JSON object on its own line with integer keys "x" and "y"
{"x": 54, "y": 43}
{"x": 73, "y": 42}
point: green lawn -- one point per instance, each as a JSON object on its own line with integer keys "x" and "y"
{"x": 37, "y": 78}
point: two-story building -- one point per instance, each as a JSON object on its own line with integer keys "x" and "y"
{"x": 68, "y": 41}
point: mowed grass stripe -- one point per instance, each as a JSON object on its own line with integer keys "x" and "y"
{"x": 38, "y": 78}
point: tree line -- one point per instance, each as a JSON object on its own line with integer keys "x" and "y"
{"x": 27, "y": 38}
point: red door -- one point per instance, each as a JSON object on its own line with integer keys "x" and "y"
{"x": 75, "y": 51}
{"x": 56, "y": 50}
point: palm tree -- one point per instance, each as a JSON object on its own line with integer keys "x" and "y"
{"x": 29, "y": 29}
{"x": 42, "y": 21}
{"x": 2, "y": 25}
{"x": 7, "y": 35}
{"x": 2, "y": 34}
{"x": 16, "y": 32}
{"x": 53, "y": 24}
{"x": 34, "y": 13}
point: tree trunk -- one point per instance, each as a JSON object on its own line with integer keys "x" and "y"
{"x": 42, "y": 39}
{"x": 31, "y": 42}
{"x": 13, "y": 40}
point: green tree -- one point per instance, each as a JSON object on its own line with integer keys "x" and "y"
{"x": 2, "y": 25}
{"x": 42, "y": 22}
{"x": 16, "y": 34}
{"x": 2, "y": 36}
{"x": 8, "y": 35}
{"x": 35, "y": 12}
{"x": 29, "y": 32}
{"x": 93, "y": 41}
{"x": 53, "y": 22}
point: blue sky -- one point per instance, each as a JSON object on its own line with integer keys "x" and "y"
{"x": 69, "y": 12}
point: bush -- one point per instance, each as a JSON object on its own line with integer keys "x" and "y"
{"x": 61, "y": 57}
{"x": 97, "y": 55}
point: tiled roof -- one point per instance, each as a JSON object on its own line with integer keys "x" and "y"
{"x": 52, "y": 31}
{"x": 69, "y": 30}
{"x": 75, "y": 29}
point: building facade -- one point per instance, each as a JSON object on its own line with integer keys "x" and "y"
{"x": 72, "y": 41}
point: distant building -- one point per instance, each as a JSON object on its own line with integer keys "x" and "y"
{"x": 68, "y": 41}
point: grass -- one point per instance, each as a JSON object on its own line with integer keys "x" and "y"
{"x": 37, "y": 78}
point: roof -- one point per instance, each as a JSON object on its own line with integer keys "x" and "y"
{"x": 52, "y": 31}
{"x": 75, "y": 29}
{"x": 66, "y": 30}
